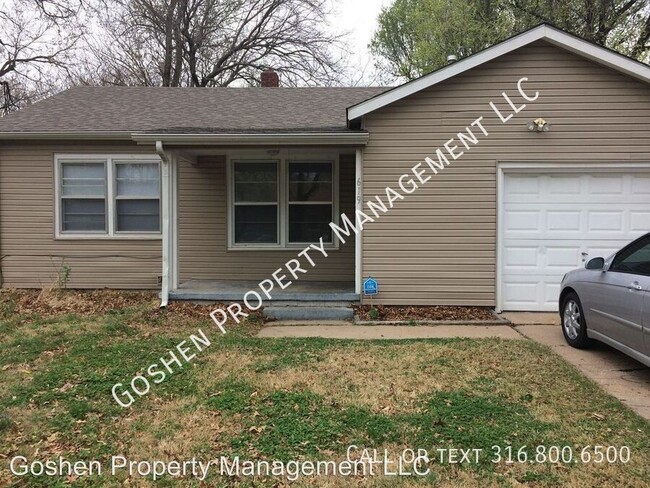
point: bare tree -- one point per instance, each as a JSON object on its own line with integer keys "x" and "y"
{"x": 212, "y": 42}
{"x": 34, "y": 48}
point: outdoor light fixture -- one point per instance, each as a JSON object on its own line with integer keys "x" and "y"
{"x": 540, "y": 125}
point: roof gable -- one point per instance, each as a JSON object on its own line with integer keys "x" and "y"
{"x": 552, "y": 35}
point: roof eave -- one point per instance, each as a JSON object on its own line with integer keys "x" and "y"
{"x": 252, "y": 139}
{"x": 67, "y": 136}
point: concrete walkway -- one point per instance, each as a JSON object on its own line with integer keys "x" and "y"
{"x": 391, "y": 332}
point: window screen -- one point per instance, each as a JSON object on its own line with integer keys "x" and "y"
{"x": 311, "y": 197}
{"x": 83, "y": 196}
{"x": 137, "y": 197}
{"x": 255, "y": 202}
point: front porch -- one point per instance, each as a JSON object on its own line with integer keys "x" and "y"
{"x": 231, "y": 217}
{"x": 234, "y": 290}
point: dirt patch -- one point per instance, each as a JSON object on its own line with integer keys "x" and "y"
{"x": 391, "y": 313}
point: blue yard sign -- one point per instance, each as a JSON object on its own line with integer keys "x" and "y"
{"x": 370, "y": 286}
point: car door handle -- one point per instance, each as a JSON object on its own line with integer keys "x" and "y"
{"x": 635, "y": 286}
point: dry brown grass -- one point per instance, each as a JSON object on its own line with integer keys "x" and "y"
{"x": 386, "y": 378}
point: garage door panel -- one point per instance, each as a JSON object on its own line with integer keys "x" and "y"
{"x": 521, "y": 258}
{"x": 523, "y": 221}
{"x": 605, "y": 185}
{"x": 564, "y": 186}
{"x": 639, "y": 220}
{"x": 554, "y": 223}
{"x": 641, "y": 186}
{"x": 605, "y": 221}
{"x": 522, "y": 295}
{"x": 563, "y": 220}
{"x": 530, "y": 292}
{"x": 559, "y": 257}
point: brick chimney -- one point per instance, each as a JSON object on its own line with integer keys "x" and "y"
{"x": 270, "y": 79}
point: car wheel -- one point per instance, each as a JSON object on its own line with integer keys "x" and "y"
{"x": 574, "y": 326}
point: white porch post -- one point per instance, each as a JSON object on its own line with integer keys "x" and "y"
{"x": 167, "y": 202}
{"x": 358, "y": 206}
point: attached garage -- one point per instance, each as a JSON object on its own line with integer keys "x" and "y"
{"x": 502, "y": 224}
{"x": 553, "y": 218}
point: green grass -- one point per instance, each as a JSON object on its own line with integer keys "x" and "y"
{"x": 292, "y": 399}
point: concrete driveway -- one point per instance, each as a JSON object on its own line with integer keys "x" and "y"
{"x": 619, "y": 375}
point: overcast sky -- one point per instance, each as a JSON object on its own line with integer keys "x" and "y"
{"x": 359, "y": 17}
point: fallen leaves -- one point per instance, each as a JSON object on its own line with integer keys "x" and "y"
{"x": 55, "y": 302}
{"x": 397, "y": 313}
{"x": 51, "y": 303}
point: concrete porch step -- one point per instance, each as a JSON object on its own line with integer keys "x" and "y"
{"x": 305, "y": 312}
{"x": 237, "y": 296}
{"x": 307, "y": 303}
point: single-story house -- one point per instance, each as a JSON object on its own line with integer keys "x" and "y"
{"x": 201, "y": 192}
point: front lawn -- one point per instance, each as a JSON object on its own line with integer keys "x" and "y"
{"x": 292, "y": 399}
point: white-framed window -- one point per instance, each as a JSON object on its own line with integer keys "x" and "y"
{"x": 281, "y": 203}
{"x": 310, "y": 201}
{"x": 256, "y": 203}
{"x": 107, "y": 196}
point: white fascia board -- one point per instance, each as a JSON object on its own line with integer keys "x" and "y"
{"x": 554, "y": 36}
{"x": 598, "y": 54}
{"x": 338, "y": 139}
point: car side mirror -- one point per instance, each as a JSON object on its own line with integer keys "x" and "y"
{"x": 596, "y": 263}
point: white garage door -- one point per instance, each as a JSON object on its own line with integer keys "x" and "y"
{"x": 552, "y": 222}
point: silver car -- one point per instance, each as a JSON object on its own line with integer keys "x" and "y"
{"x": 609, "y": 301}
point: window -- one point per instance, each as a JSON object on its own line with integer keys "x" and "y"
{"x": 634, "y": 259}
{"x": 137, "y": 197}
{"x": 311, "y": 196}
{"x": 281, "y": 203}
{"x": 108, "y": 197}
{"x": 256, "y": 202}
{"x": 83, "y": 197}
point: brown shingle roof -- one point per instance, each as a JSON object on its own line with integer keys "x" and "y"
{"x": 142, "y": 109}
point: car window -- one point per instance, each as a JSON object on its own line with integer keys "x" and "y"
{"x": 634, "y": 258}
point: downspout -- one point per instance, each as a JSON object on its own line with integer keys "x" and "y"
{"x": 166, "y": 248}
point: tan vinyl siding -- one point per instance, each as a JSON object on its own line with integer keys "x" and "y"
{"x": 438, "y": 246}
{"x": 202, "y": 221}
{"x": 31, "y": 255}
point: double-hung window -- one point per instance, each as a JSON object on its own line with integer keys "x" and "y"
{"x": 83, "y": 196}
{"x": 311, "y": 201}
{"x": 107, "y": 197}
{"x": 256, "y": 205}
{"x": 137, "y": 197}
{"x": 282, "y": 203}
